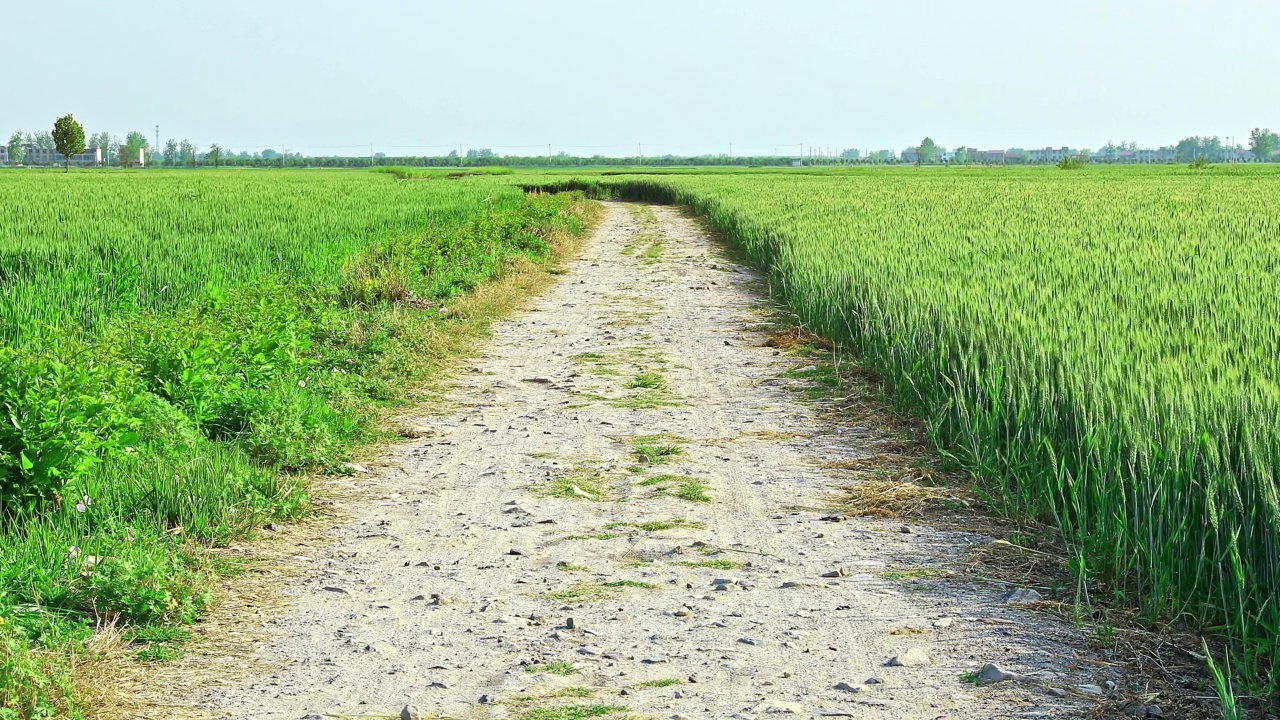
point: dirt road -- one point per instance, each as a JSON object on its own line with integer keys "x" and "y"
{"x": 627, "y": 509}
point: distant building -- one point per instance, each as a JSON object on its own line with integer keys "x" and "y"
{"x": 32, "y": 155}
{"x": 990, "y": 157}
{"x": 911, "y": 155}
{"x": 4, "y": 154}
{"x": 1049, "y": 156}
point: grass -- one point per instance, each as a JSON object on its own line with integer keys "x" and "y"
{"x": 648, "y": 381}
{"x": 580, "y": 593}
{"x": 629, "y": 584}
{"x": 656, "y": 449}
{"x": 711, "y": 563}
{"x": 646, "y": 387}
{"x": 173, "y": 376}
{"x": 680, "y": 486}
{"x": 572, "y": 712}
{"x": 554, "y": 668}
{"x": 664, "y": 682}
{"x": 898, "y": 575}
{"x": 594, "y": 536}
{"x": 581, "y": 483}
{"x": 595, "y": 592}
{"x": 655, "y": 525}
{"x": 573, "y": 691}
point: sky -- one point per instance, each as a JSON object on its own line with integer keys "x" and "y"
{"x": 414, "y": 77}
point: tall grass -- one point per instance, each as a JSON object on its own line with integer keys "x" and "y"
{"x": 1100, "y": 349}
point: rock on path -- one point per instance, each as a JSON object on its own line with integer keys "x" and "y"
{"x": 536, "y": 540}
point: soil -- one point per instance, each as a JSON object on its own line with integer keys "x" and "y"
{"x": 629, "y": 504}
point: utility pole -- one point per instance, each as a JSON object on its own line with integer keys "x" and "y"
{"x": 370, "y": 154}
{"x": 157, "y": 139}
{"x": 548, "y": 154}
{"x": 801, "y": 154}
{"x": 640, "y": 152}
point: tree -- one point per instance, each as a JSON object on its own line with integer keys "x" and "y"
{"x": 187, "y": 153}
{"x": 42, "y": 140}
{"x": 1262, "y": 142}
{"x": 135, "y": 142}
{"x": 851, "y": 154}
{"x": 102, "y": 141}
{"x": 928, "y": 152}
{"x": 270, "y": 154}
{"x": 171, "y": 152}
{"x": 215, "y": 154}
{"x": 15, "y": 148}
{"x": 68, "y": 138}
{"x": 962, "y": 156}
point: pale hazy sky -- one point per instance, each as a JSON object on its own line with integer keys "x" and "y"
{"x": 677, "y": 76}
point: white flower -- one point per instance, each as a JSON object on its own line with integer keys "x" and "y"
{"x": 302, "y": 383}
{"x": 84, "y": 503}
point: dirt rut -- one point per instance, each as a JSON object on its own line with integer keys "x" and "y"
{"x": 627, "y": 509}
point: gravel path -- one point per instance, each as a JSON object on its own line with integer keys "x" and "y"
{"x": 627, "y": 509}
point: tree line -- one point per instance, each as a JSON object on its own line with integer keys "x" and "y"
{"x": 68, "y": 139}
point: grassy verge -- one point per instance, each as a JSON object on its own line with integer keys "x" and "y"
{"x": 128, "y": 452}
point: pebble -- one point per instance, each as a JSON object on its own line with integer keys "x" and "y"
{"x": 914, "y": 657}
{"x": 944, "y": 623}
{"x": 1021, "y": 595}
{"x": 1089, "y": 689}
{"x": 408, "y": 712}
{"x": 656, "y": 660}
{"x": 846, "y": 687}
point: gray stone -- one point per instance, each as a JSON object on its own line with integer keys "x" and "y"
{"x": 992, "y": 673}
{"x": 1021, "y": 595}
{"x": 1089, "y": 689}
{"x": 914, "y": 657}
{"x": 409, "y": 712}
{"x": 656, "y": 660}
{"x": 846, "y": 687}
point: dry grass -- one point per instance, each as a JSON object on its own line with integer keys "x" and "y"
{"x": 793, "y": 338}
{"x": 898, "y": 498}
{"x": 116, "y": 686}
